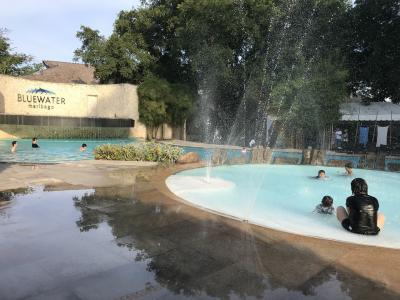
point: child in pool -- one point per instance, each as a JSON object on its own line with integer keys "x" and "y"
{"x": 326, "y": 206}
{"x": 349, "y": 169}
{"x": 321, "y": 175}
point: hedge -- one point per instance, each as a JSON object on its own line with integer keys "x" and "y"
{"x": 147, "y": 151}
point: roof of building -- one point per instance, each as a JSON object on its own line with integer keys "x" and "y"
{"x": 65, "y": 72}
{"x": 376, "y": 111}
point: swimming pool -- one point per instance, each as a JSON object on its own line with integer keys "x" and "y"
{"x": 52, "y": 151}
{"x": 283, "y": 197}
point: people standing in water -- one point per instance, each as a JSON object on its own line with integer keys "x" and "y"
{"x": 34, "y": 143}
{"x": 349, "y": 169}
{"x": 83, "y": 147}
{"x": 326, "y": 206}
{"x": 13, "y": 146}
{"x": 361, "y": 215}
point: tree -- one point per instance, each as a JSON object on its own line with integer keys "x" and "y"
{"x": 15, "y": 64}
{"x": 161, "y": 102}
{"x": 152, "y": 114}
{"x": 122, "y": 58}
{"x": 242, "y": 57}
{"x": 92, "y": 50}
{"x": 374, "y": 52}
{"x": 179, "y": 104}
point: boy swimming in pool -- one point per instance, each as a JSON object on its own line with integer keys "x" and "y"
{"x": 83, "y": 147}
{"x": 326, "y": 206}
{"x": 321, "y": 175}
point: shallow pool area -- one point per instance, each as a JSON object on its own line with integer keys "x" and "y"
{"x": 52, "y": 151}
{"x": 283, "y": 197}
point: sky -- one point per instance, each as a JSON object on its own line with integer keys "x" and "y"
{"x": 46, "y": 29}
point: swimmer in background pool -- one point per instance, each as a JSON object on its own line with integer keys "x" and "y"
{"x": 83, "y": 147}
{"x": 349, "y": 169}
{"x": 362, "y": 215}
{"x": 34, "y": 143}
{"x": 13, "y": 146}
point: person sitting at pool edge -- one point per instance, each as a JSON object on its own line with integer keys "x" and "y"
{"x": 34, "y": 143}
{"x": 13, "y": 146}
{"x": 362, "y": 215}
{"x": 321, "y": 175}
{"x": 326, "y": 206}
{"x": 83, "y": 147}
{"x": 349, "y": 169}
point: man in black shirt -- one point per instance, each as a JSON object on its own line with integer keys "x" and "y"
{"x": 362, "y": 215}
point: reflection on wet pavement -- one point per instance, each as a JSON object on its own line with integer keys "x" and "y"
{"x": 105, "y": 243}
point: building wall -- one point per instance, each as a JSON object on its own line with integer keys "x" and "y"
{"x": 20, "y": 96}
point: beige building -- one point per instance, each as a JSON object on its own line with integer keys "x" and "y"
{"x": 67, "y": 110}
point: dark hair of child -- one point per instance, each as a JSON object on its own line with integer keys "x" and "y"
{"x": 327, "y": 201}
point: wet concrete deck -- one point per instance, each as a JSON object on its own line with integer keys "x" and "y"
{"x": 137, "y": 241}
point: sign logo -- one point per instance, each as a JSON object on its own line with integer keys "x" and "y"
{"x": 38, "y": 98}
{"x": 40, "y": 91}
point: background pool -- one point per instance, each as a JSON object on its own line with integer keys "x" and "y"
{"x": 284, "y": 197}
{"x": 52, "y": 151}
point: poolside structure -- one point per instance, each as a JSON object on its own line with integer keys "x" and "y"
{"x": 372, "y": 126}
{"x": 65, "y": 101}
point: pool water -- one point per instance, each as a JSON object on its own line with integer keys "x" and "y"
{"x": 52, "y": 151}
{"x": 283, "y": 197}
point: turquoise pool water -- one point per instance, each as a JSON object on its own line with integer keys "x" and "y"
{"x": 52, "y": 151}
{"x": 283, "y": 197}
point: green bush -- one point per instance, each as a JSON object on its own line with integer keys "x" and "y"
{"x": 148, "y": 151}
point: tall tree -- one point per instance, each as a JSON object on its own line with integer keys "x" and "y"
{"x": 123, "y": 57}
{"x": 162, "y": 102}
{"x": 12, "y": 63}
{"x": 375, "y": 49}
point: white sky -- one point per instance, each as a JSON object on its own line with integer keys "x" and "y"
{"x": 46, "y": 29}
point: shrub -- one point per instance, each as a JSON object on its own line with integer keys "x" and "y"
{"x": 148, "y": 151}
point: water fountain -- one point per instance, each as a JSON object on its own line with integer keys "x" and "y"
{"x": 276, "y": 196}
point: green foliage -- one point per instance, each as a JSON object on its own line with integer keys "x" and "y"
{"x": 120, "y": 58}
{"x": 152, "y": 114}
{"x": 251, "y": 58}
{"x": 179, "y": 104}
{"x": 16, "y": 64}
{"x": 161, "y": 102}
{"x": 374, "y": 49}
{"x": 93, "y": 44}
{"x": 148, "y": 151}
{"x": 310, "y": 100}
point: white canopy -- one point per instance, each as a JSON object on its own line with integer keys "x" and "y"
{"x": 380, "y": 111}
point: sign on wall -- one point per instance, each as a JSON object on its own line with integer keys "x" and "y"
{"x": 39, "y": 98}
